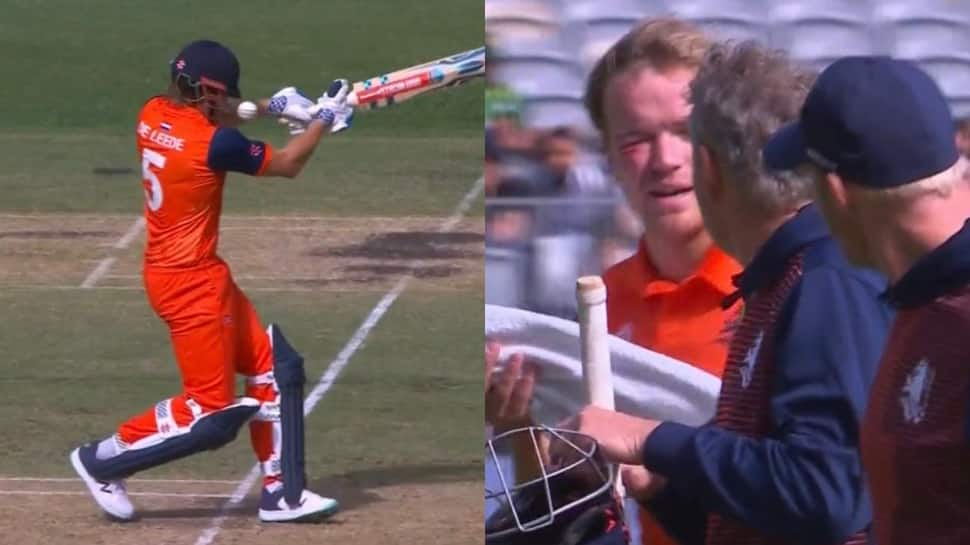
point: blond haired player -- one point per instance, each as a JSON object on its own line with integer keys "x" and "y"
{"x": 668, "y": 296}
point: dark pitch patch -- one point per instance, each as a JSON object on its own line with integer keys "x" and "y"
{"x": 407, "y": 245}
{"x": 55, "y": 235}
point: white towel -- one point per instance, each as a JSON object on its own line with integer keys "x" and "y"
{"x": 646, "y": 383}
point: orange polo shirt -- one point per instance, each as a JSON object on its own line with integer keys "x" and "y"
{"x": 683, "y": 320}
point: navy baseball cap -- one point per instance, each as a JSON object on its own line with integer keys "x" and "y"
{"x": 208, "y": 62}
{"x": 876, "y": 121}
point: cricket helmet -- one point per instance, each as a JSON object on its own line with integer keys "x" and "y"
{"x": 206, "y": 67}
{"x": 572, "y": 502}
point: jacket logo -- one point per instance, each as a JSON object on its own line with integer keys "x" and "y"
{"x": 916, "y": 392}
{"x": 732, "y": 321}
{"x": 750, "y": 360}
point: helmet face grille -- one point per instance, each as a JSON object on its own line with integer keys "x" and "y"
{"x": 190, "y": 91}
{"x": 574, "y": 477}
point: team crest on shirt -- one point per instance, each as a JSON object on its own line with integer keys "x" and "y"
{"x": 916, "y": 392}
{"x": 750, "y": 360}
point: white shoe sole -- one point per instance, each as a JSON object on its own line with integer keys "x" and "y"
{"x": 300, "y": 514}
{"x": 94, "y": 487}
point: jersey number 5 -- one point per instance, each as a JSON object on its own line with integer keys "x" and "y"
{"x": 153, "y": 192}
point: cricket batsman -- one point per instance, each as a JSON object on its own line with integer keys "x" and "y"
{"x": 187, "y": 143}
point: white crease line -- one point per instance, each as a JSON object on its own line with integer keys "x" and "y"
{"x": 98, "y": 273}
{"x": 337, "y": 365}
{"x": 77, "y": 493}
{"x": 105, "y": 264}
{"x": 75, "y": 480}
{"x": 131, "y": 234}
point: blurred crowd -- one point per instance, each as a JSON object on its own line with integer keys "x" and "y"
{"x": 553, "y": 210}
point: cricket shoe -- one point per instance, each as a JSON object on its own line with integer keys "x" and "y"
{"x": 312, "y": 507}
{"x": 111, "y": 496}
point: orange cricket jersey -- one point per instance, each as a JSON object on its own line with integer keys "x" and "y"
{"x": 682, "y": 320}
{"x": 183, "y": 192}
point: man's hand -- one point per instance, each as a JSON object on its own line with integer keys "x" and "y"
{"x": 508, "y": 393}
{"x": 641, "y": 484}
{"x": 332, "y": 106}
{"x": 620, "y": 436}
{"x": 292, "y": 108}
{"x": 492, "y": 352}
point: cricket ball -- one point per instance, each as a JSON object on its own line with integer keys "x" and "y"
{"x": 247, "y": 110}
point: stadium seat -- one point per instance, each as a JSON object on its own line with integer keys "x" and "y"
{"x": 821, "y": 39}
{"x": 533, "y": 68}
{"x": 519, "y": 20}
{"x": 960, "y": 108}
{"x": 786, "y": 11}
{"x": 820, "y": 31}
{"x": 550, "y": 111}
{"x": 539, "y": 76}
{"x": 516, "y": 7}
{"x": 725, "y": 28}
{"x": 901, "y": 10}
{"x": 558, "y": 47}
{"x": 607, "y": 29}
{"x": 597, "y": 38}
{"x": 592, "y": 11}
{"x": 952, "y": 74}
{"x": 592, "y": 51}
{"x": 504, "y": 29}
{"x": 725, "y": 19}
{"x": 740, "y": 10}
{"x": 915, "y": 38}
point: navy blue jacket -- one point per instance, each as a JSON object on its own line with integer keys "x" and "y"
{"x": 802, "y": 480}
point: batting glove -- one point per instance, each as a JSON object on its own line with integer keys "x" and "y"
{"x": 292, "y": 108}
{"x": 332, "y": 106}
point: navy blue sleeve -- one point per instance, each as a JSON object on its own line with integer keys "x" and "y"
{"x": 804, "y": 481}
{"x": 680, "y": 517}
{"x": 230, "y": 151}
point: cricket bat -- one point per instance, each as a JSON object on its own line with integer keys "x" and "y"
{"x": 595, "y": 350}
{"x": 595, "y": 347}
{"x": 404, "y": 84}
{"x": 394, "y": 87}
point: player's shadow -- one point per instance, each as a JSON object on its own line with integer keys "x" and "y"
{"x": 356, "y": 489}
{"x": 353, "y": 490}
{"x": 204, "y": 509}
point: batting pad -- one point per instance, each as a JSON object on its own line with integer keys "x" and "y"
{"x": 646, "y": 383}
{"x": 208, "y": 432}
{"x": 290, "y": 379}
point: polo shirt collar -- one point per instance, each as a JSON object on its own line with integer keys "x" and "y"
{"x": 942, "y": 270}
{"x": 769, "y": 262}
{"x": 716, "y": 269}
